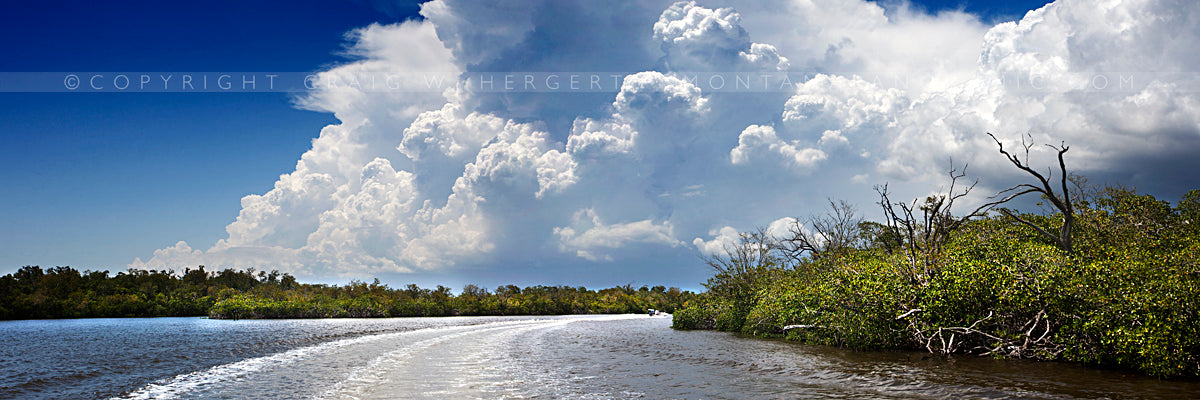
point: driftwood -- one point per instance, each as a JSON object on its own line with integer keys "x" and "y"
{"x": 1034, "y": 341}
{"x": 790, "y": 327}
{"x": 910, "y": 312}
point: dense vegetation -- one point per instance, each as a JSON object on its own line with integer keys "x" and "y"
{"x": 1122, "y": 290}
{"x": 359, "y": 299}
{"x": 63, "y": 292}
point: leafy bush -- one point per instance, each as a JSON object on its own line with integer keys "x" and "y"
{"x": 1128, "y": 296}
{"x": 64, "y": 292}
{"x": 695, "y": 315}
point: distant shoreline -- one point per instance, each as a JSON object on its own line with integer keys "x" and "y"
{"x": 64, "y": 292}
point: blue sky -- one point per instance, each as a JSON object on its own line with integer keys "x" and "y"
{"x": 96, "y": 179}
{"x": 989, "y": 11}
{"x": 100, "y": 178}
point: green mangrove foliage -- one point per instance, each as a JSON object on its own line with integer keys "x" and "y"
{"x": 63, "y": 292}
{"x": 1122, "y": 290}
{"x": 359, "y": 299}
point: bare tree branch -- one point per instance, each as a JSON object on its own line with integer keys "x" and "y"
{"x": 926, "y": 234}
{"x": 832, "y": 233}
{"x": 1060, "y": 200}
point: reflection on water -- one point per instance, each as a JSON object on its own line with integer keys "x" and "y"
{"x": 631, "y": 356}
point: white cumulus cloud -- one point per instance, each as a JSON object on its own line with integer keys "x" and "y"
{"x": 437, "y": 181}
{"x": 589, "y": 237}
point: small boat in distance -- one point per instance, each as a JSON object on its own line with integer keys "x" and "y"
{"x": 654, "y": 313}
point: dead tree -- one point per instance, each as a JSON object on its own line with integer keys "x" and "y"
{"x": 1061, "y": 201}
{"x": 926, "y": 227}
{"x": 834, "y": 232}
{"x": 753, "y": 250}
{"x": 742, "y": 263}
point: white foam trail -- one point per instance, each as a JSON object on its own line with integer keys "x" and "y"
{"x": 373, "y": 374}
{"x": 367, "y": 378}
{"x": 172, "y": 388}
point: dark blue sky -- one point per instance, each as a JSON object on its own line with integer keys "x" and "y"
{"x": 989, "y": 11}
{"x": 183, "y": 36}
{"x": 94, "y": 179}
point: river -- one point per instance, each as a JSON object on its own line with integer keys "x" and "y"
{"x": 622, "y": 356}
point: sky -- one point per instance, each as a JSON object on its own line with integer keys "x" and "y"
{"x": 508, "y": 170}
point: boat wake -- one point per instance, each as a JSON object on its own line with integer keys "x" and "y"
{"x": 481, "y": 360}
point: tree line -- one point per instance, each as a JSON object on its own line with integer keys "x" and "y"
{"x": 1101, "y": 275}
{"x": 64, "y": 292}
